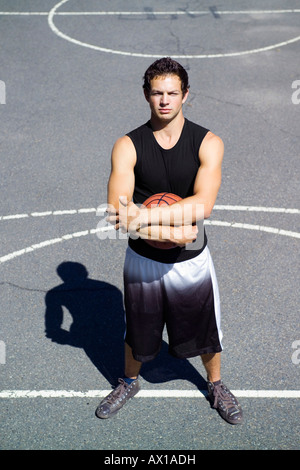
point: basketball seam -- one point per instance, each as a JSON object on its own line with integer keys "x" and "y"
{"x": 160, "y": 199}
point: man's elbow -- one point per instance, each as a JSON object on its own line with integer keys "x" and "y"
{"x": 207, "y": 214}
{"x": 207, "y": 210}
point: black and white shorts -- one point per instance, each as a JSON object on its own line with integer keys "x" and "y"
{"x": 183, "y": 296}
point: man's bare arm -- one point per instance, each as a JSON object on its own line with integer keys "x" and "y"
{"x": 167, "y": 223}
{"x": 121, "y": 180}
{"x": 193, "y": 208}
{"x": 179, "y": 235}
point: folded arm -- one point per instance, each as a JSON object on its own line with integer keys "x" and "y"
{"x": 165, "y": 223}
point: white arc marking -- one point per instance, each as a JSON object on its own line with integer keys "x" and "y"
{"x": 143, "y": 13}
{"x": 133, "y": 54}
{"x": 70, "y": 236}
{"x": 280, "y": 210}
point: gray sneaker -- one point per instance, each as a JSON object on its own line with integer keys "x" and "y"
{"x": 111, "y": 404}
{"x": 224, "y": 402}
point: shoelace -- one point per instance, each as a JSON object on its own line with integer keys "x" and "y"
{"x": 221, "y": 392}
{"x": 117, "y": 392}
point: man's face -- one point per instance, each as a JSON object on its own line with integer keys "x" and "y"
{"x": 165, "y": 97}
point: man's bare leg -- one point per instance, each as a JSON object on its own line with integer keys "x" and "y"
{"x": 219, "y": 395}
{"x": 132, "y": 367}
{"x": 212, "y": 364}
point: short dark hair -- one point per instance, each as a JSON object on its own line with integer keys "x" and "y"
{"x": 166, "y": 66}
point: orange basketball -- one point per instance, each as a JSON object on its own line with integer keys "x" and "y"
{"x": 161, "y": 199}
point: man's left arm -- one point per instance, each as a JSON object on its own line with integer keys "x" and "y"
{"x": 209, "y": 176}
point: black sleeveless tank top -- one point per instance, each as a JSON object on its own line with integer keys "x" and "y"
{"x": 166, "y": 170}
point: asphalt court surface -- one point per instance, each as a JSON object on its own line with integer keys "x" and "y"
{"x": 71, "y": 84}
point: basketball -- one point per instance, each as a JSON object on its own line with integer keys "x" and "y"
{"x": 161, "y": 199}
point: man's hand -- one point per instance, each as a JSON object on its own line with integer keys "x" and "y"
{"x": 129, "y": 218}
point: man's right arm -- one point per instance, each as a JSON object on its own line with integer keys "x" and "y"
{"x": 121, "y": 180}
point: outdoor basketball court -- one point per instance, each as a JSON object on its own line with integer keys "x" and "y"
{"x": 70, "y": 85}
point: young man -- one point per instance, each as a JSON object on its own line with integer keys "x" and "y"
{"x": 176, "y": 287}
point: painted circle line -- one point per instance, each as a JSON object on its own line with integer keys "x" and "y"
{"x": 143, "y": 13}
{"x": 219, "y": 223}
{"x": 101, "y": 209}
{"x": 278, "y": 210}
{"x": 62, "y": 35}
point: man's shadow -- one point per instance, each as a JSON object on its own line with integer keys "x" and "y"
{"x": 98, "y": 326}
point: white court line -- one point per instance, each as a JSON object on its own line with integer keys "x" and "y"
{"x": 62, "y": 35}
{"x": 45, "y": 243}
{"x": 54, "y": 241}
{"x": 145, "y": 13}
{"x": 261, "y": 228}
{"x": 47, "y": 213}
{"x": 146, "y": 393}
{"x": 280, "y": 210}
